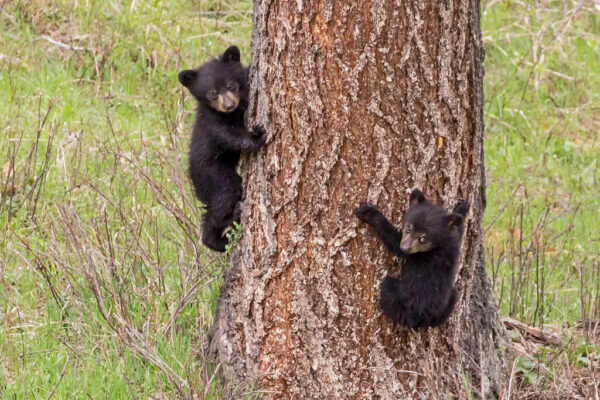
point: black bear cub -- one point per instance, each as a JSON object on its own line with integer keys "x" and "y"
{"x": 220, "y": 87}
{"x": 423, "y": 295}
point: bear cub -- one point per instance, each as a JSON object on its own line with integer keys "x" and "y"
{"x": 423, "y": 295}
{"x": 220, "y": 87}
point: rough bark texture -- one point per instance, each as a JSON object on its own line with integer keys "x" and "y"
{"x": 363, "y": 101}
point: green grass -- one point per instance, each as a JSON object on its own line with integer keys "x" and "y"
{"x": 105, "y": 291}
{"x": 97, "y": 203}
{"x": 542, "y": 144}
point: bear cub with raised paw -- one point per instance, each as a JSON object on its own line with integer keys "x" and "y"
{"x": 423, "y": 295}
{"x": 220, "y": 87}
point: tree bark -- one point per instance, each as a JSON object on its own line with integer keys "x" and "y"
{"x": 363, "y": 101}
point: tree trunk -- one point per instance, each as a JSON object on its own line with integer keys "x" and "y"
{"x": 363, "y": 101}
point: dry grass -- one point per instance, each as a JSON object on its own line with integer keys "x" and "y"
{"x": 552, "y": 363}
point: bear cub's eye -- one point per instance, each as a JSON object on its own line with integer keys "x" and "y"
{"x": 422, "y": 239}
{"x": 212, "y": 95}
{"x": 233, "y": 86}
{"x": 407, "y": 229}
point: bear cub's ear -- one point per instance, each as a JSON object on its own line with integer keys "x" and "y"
{"x": 231, "y": 54}
{"x": 187, "y": 77}
{"x": 416, "y": 196}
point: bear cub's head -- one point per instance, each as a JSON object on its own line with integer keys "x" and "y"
{"x": 427, "y": 226}
{"x": 220, "y": 83}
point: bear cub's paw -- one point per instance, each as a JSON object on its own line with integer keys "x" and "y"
{"x": 461, "y": 208}
{"x": 366, "y": 212}
{"x": 259, "y": 131}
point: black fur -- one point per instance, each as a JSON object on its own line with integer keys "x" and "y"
{"x": 423, "y": 295}
{"x": 218, "y": 137}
